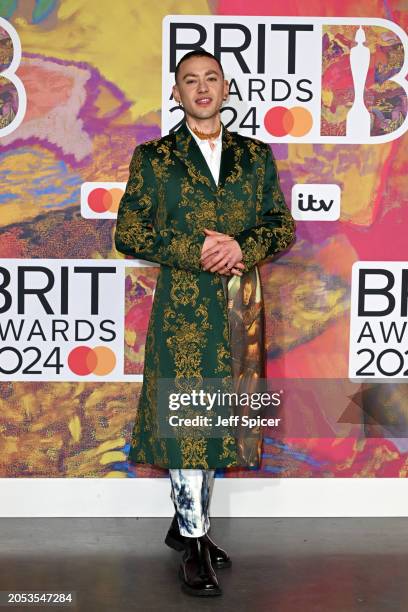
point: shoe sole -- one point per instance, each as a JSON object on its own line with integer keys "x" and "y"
{"x": 221, "y": 565}
{"x": 186, "y": 589}
{"x": 176, "y": 545}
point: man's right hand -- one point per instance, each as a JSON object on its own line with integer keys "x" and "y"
{"x": 228, "y": 261}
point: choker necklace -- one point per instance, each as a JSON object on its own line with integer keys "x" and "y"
{"x": 205, "y": 136}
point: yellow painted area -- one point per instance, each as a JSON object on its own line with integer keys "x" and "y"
{"x": 124, "y": 42}
{"x": 109, "y": 444}
{"x": 298, "y": 153}
{"x": 112, "y": 457}
{"x": 78, "y": 389}
{"x": 99, "y": 395}
{"x": 27, "y": 402}
{"x": 379, "y": 459}
{"x": 327, "y": 97}
{"x": 114, "y": 474}
{"x": 340, "y": 113}
{"x": 360, "y": 188}
{"x": 9, "y": 446}
{"x": 24, "y": 204}
{"x": 359, "y": 180}
{"x": 74, "y": 427}
{"x": 106, "y": 102}
{"x": 130, "y": 337}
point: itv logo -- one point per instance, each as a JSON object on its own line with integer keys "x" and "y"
{"x": 316, "y": 202}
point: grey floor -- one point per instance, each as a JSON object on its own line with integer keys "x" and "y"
{"x": 282, "y": 565}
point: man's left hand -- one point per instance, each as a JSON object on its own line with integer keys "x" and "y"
{"x": 225, "y": 256}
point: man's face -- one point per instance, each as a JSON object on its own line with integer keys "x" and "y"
{"x": 200, "y": 87}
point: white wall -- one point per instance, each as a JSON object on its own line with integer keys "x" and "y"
{"x": 240, "y": 497}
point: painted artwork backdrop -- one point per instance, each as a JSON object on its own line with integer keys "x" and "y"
{"x": 80, "y": 86}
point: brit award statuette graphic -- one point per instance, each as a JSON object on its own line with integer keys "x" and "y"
{"x": 358, "y": 117}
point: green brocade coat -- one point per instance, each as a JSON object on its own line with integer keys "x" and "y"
{"x": 170, "y": 198}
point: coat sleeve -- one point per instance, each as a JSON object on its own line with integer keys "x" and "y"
{"x": 135, "y": 233}
{"x": 276, "y": 229}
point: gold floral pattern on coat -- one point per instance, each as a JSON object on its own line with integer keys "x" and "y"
{"x": 170, "y": 197}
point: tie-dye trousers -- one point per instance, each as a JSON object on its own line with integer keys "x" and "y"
{"x": 191, "y": 493}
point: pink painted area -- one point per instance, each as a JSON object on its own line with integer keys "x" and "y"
{"x": 46, "y": 89}
{"x": 352, "y": 8}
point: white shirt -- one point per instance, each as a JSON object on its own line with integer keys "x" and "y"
{"x": 212, "y": 156}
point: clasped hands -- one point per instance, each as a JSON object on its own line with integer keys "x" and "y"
{"x": 221, "y": 253}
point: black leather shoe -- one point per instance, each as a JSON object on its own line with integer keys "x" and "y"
{"x": 219, "y": 557}
{"x": 196, "y": 573}
{"x": 174, "y": 539}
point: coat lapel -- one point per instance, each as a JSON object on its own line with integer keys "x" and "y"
{"x": 189, "y": 152}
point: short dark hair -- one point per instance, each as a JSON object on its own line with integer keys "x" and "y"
{"x": 197, "y": 53}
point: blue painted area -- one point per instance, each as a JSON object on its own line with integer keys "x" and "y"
{"x": 57, "y": 180}
{"x": 274, "y": 469}
{"x": 272, "y": 441}
{"x": 42, "y": 9}
{"x": 7, "y": 8}
{"x": 20, "y": 151}
{"x": 119, "y": 466}
{"x": 6, "y": 197}
{"x": 36, "y": 179}
{"x": 388, "y": 12}
{"x": 72, "y": 198}
{"x": 72, "y": 180}
{"x": 123, "y": 466}
{"x": 47, "y": 190}
{"x": 295, "y": 454}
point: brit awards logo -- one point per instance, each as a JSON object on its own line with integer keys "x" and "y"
{"x": 298, "y": 79}
{"x": 64, "y": 319}
{"x": 379, "y": 321}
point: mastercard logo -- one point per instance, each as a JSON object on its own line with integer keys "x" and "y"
{"x": 83, "y": 360}
{"x": 281, "y": 121}
{"x": 101, "y": 199}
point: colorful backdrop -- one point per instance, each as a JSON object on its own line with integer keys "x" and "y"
{"x": 92, "y": 77}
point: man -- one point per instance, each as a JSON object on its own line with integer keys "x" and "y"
{"x": 206, "y": 204}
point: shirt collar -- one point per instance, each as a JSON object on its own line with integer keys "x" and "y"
{"x": 202, "y": 141}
